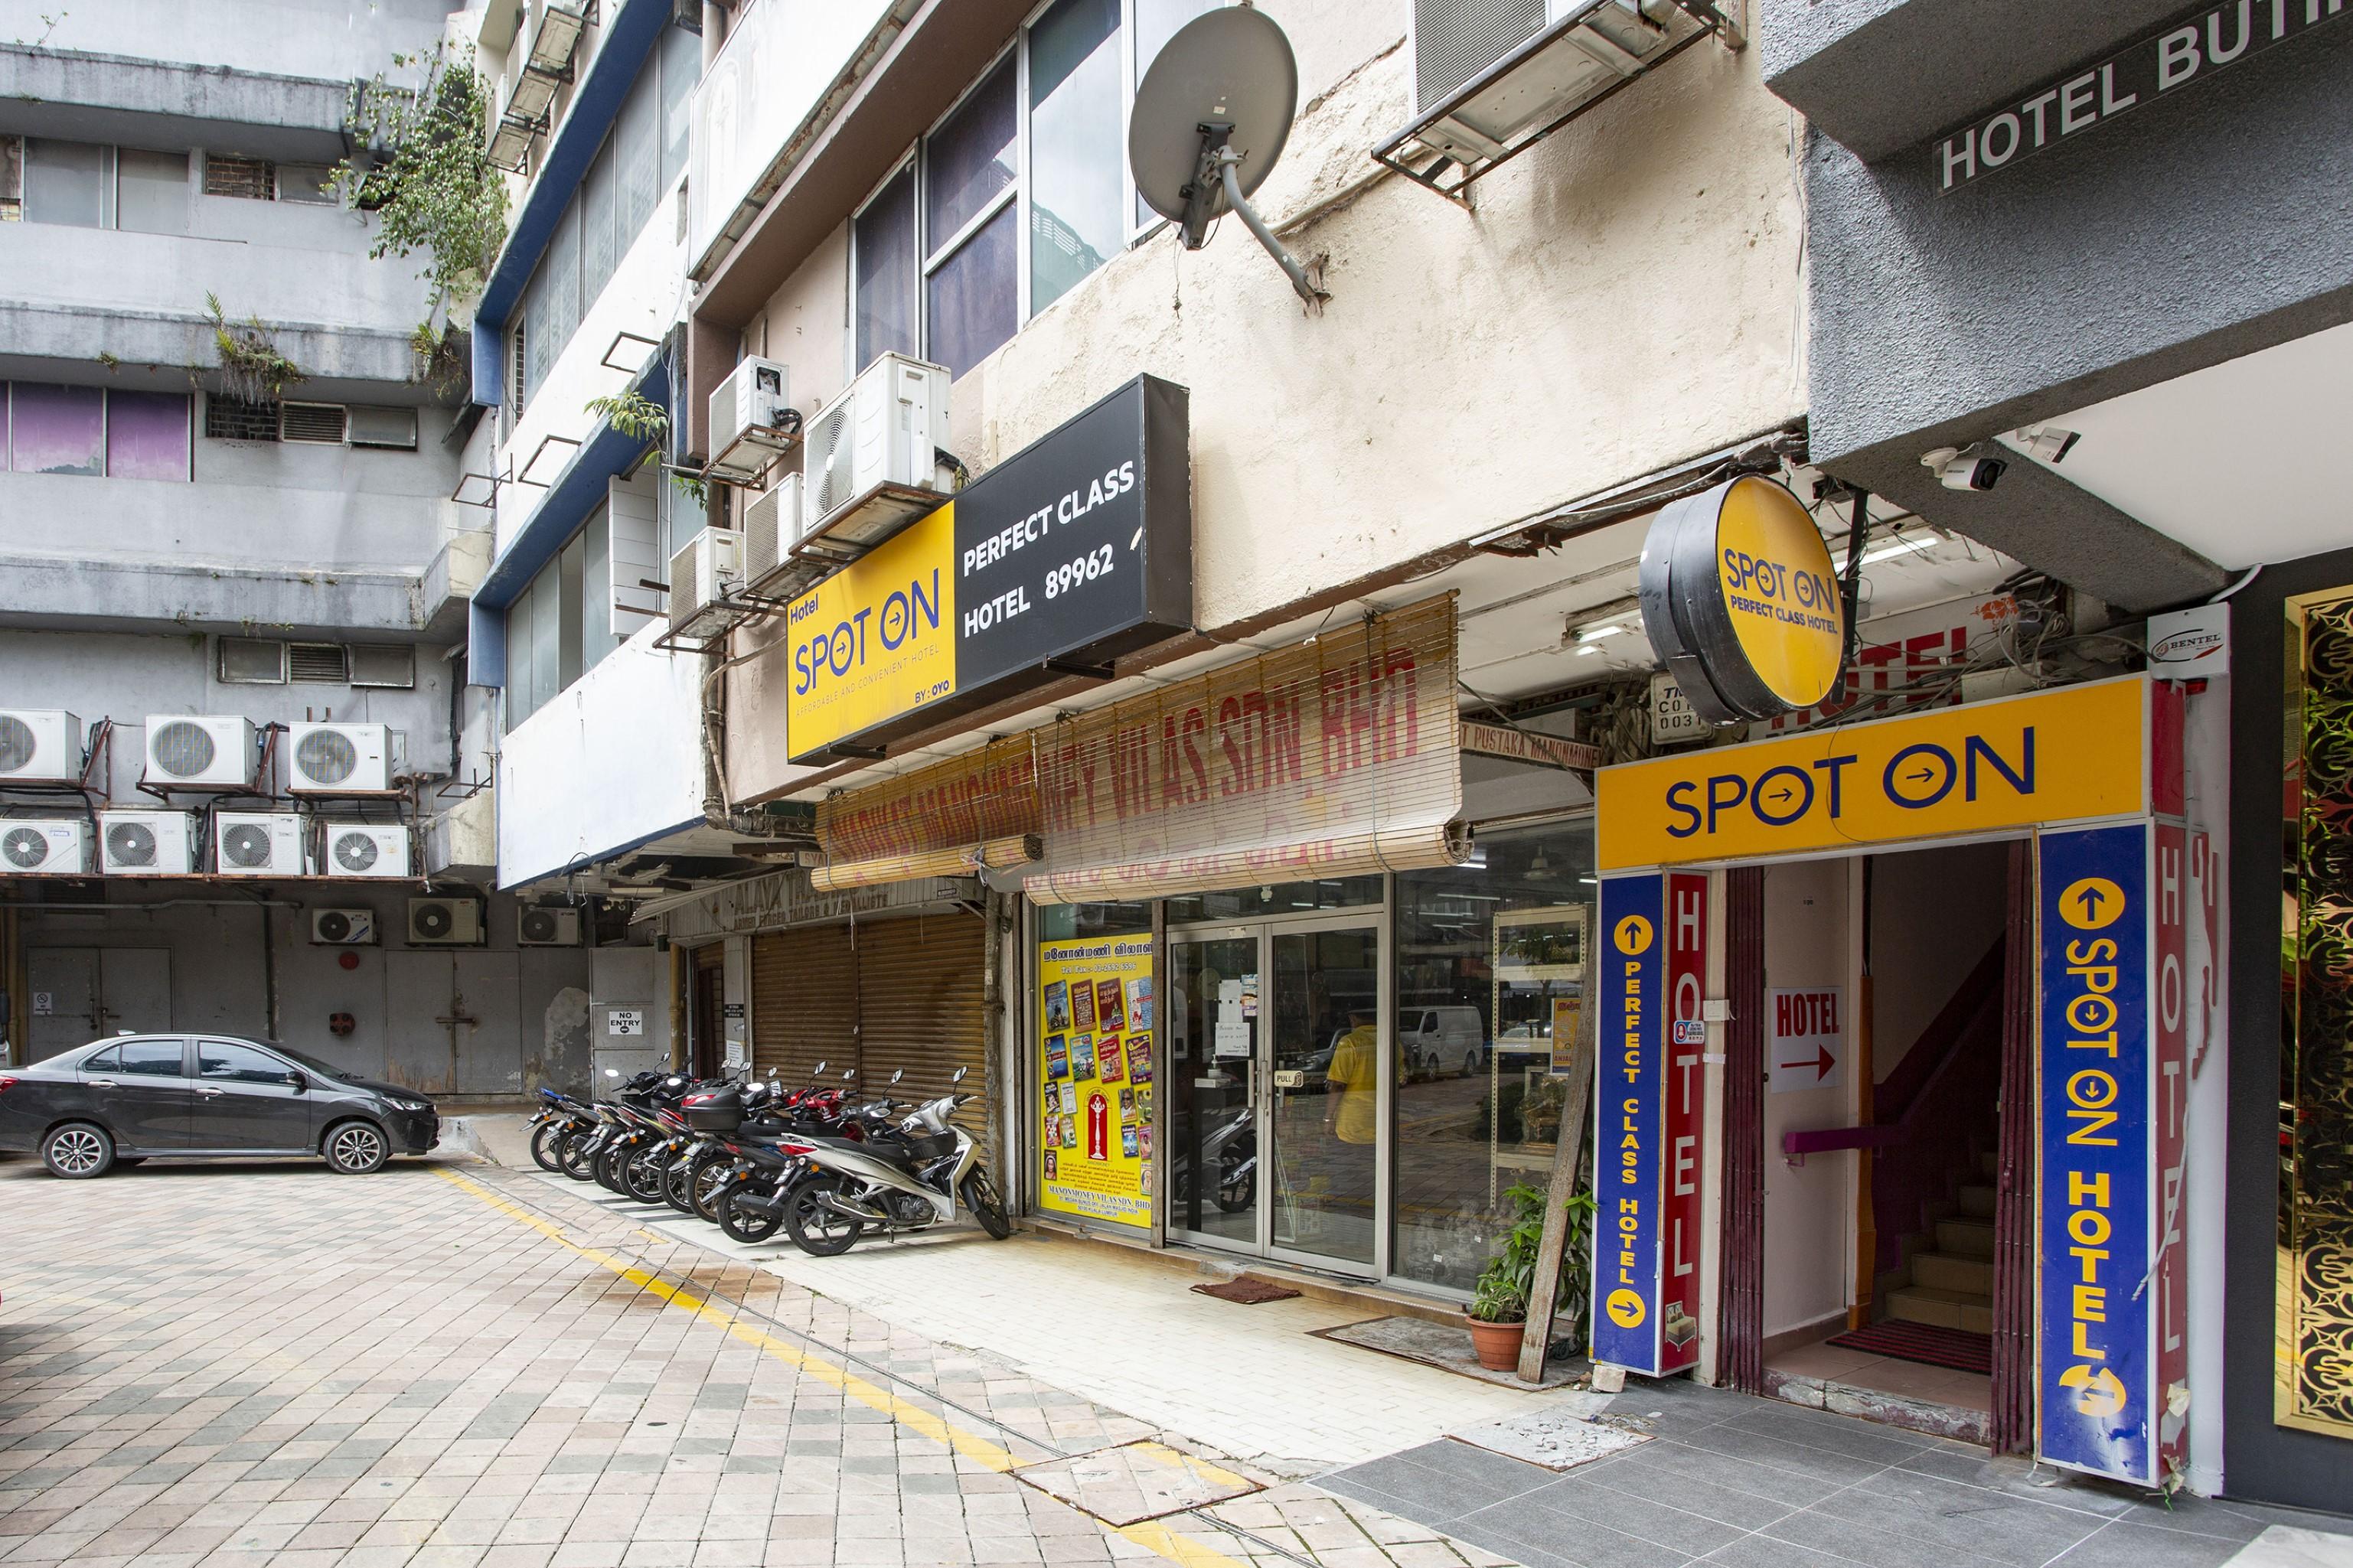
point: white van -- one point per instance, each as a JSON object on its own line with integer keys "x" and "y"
{"x": 1435, "y": 1040}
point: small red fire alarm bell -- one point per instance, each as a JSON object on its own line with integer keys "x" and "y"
{"x": 341, "y": 1023}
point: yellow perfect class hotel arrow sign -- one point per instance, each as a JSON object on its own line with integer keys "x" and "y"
{"x": 2073, "y": 754}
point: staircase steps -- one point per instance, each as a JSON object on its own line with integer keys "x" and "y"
{"x": 1967, "y": 1309}
{"x": 1951, "y": 1283}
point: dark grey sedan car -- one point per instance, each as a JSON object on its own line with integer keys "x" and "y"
{"x": 138, "y": 1097}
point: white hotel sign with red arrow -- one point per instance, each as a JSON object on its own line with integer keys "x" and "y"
{"x": 1807, "y": 1044}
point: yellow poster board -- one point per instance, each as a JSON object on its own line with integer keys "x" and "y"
{"x": 1097, "y": 1025}
{"x": 876, "y": 639}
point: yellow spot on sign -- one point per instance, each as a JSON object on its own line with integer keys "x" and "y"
{"x": 2103, "y": 1391}
{"x": 1633, "y": 935}
{"x": 1626, "y": 1308}
{"x": 2091, "y": 903}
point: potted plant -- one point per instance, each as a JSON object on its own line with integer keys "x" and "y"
{"x": 1499, "y": 1302}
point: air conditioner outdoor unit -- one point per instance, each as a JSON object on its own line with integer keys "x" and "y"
{"x": 28, "y": 848}
{"x": 445, "y": 922}
{"x": 706, "y": 569}
{"x": 1563, "y": 55}
{"x": 146, "y": 843}
{"x": 199, "y": 752}
{"x": 873, "y": 463}
{"x": 547, "y": 927}
{"x": 257, "y": 844}
{"x": 749, "y": 412}
{"x": 340, "y": 759}
{"x": 771, "y": 526}
{"x": 362, "y": 849}
{"x": 40, "y": 745}
{"x": 343, "y": 928}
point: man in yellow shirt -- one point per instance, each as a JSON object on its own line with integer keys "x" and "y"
{"x": 1354, "y": 1073}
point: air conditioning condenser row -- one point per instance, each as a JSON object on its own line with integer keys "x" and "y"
{"x": 46, "y": 746}
{"x": 140, "y": 843}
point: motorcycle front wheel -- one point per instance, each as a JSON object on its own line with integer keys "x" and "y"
{"x": 545, "y": 1140}
{"x": 980, "y": 1196}
{"x": 708, "y": 1180}
{"x": 572, "y": 1158}
{"x": 744, "y": 1225}
{"x": 676, "y": 1190}
{"x": 642, "y": 1174}
{"x": 816, "y": 1229}
{"x": 608, "y": 1168}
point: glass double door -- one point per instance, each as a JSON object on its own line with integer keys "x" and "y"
{"x": 1277, "y": 1100}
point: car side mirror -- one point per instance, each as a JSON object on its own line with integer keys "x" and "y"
{"x": 298, "y": 1082}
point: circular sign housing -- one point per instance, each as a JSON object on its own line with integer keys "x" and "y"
{"x": 1741, "y": 597}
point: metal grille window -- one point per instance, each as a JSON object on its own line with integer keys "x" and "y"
{"x": 316, "y": 421}
{"x": 322, "y": 663}
{"x": 383, "y": 664}
{"x": 313, "y": 184}
{"x": 228, "y": 174}
{"x": 227, "y": 419}
{"x": 252, "y": 661}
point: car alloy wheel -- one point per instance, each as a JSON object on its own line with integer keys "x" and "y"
{"x": 355, "y": 1148}
{"x": 77, "y": 1152}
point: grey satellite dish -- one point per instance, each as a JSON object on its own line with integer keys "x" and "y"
{"x": 1210, "y": 122}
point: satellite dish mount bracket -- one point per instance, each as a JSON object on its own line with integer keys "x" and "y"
{"x": 1216, "y": 189}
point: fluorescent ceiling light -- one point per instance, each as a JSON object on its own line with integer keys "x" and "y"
{"x": 1895, "y": 547}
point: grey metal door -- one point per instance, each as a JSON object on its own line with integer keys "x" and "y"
{"x": 135, "y": 989}
{"x": 490, "y": 1044}
{"x": 419, "y": 1049}
{"x": 247, "y": 1100}
{"x": 64, "y": 985}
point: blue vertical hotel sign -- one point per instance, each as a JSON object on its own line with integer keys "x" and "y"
{"x": 1630, "y": 1074}
{"x": 2095, "y": 1373}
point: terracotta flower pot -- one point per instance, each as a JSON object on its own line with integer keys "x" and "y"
{"x": 1496, "y": 1344}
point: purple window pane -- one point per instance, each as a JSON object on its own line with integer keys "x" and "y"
{"x": 147, "y": 434}
{"x": 57, "y": 429}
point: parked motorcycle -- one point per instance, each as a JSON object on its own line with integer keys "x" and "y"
{"x": 559, "y": 1117}
{"x": 911, "y": 1177}
{"x": 758, "y": 1111}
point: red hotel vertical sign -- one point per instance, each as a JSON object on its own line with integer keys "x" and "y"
{"x": 2169, "y": 1104}
{"x": 1685, "y": 1091}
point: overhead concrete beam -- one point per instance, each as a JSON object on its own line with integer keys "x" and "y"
{"x": 114, "y": 97}
{"x": 65, "y": 593}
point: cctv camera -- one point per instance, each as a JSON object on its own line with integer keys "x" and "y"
{"x": 2046, "y": 442}
{"x": 1965, "y": 468}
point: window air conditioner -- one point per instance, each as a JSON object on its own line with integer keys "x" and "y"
{"x": 40, "y": 745}
{"x": 43, "y": 848}
{"x": 362, "y": 849}
{"x": 146, "y": 843}
{"x": 705, "y": 571}
{"x": 343, "y": 928}
{"x": 872, "y": 464}
{"x": 547, "y": 927}
{"x": 257, "y": 844}
{"x": 445, "y": 922}
{"x": 339, "y": 759}
{"x": 771, "y": 525}
{"x": 749, "y": 412}
{"x": 199, "y": 752}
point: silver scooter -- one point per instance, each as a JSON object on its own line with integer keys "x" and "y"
{"x": 909, "y": 1177}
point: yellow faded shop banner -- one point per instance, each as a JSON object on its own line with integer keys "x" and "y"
{"x": 876, "y": 639}
{"x": 1097, "y": 1017}
{"x": 2071, "y": 754}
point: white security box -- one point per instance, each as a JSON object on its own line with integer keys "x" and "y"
{"x": 545, "y": 927}
{"x": 30, "y": 846}
{"x": 146, "y": 843}
{"x": 340, "y": 759}
{"x": 706, "y": 570}
{"x": 885, "y": 431}
{"x": 40, "y": 745}
{"x": 771, "y": 527}
{"x": 362, "y": 849}
{"x": 199, "y": 751}
{"x": 445, "y": 922}
{"x": 257, "y": 843}
{"x": 343, "y": 928}
{"x": 749, "y": 412}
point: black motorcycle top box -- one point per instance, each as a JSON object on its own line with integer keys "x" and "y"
{"x": 720, "y": 1110}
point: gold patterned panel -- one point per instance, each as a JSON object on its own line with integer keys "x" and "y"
{"x": 2315, "y": 1384}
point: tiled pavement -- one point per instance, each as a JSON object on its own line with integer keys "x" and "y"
{"x": 447, "y": 1365}
{"x": 1749, "y": 1483}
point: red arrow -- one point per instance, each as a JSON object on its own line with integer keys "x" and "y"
{"x": 1820, "y": 1064}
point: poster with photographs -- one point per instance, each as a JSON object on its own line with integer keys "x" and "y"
{"x": 1094, "y": 1009}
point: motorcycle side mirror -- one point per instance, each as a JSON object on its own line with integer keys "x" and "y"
{"x": 897, "y": 1073}
{"x": 958, "y": 1076}
{"x": 818, "y": 1071}
{"x": 849, "y": 1073}
{"x": 612, "y": 1072}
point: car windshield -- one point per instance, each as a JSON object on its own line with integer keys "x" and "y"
{"x": 302, "y": 1059}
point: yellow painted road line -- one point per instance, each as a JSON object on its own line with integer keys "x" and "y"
{"x": 1154, "y": 1536}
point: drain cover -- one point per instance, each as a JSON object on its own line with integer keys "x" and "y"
{"x": 1135, "y": 1481}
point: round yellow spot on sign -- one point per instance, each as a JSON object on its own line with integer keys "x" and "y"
{"x": 1780, "y": 591}
{"x": 1625, "y": 1308}
{"x": 1633, "y": 934}
{"x": 2091, "y": 903}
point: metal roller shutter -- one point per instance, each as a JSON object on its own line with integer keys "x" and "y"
{"x": 804, "y": 1002}
{"x": 920, "y": 991}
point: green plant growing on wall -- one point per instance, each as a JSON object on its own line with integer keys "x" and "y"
{"x": 1501, "y": 1295}
{"x": 429, "y": 178}
{"x": 634, "y": 414}
{"x": 251, "y": 368}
